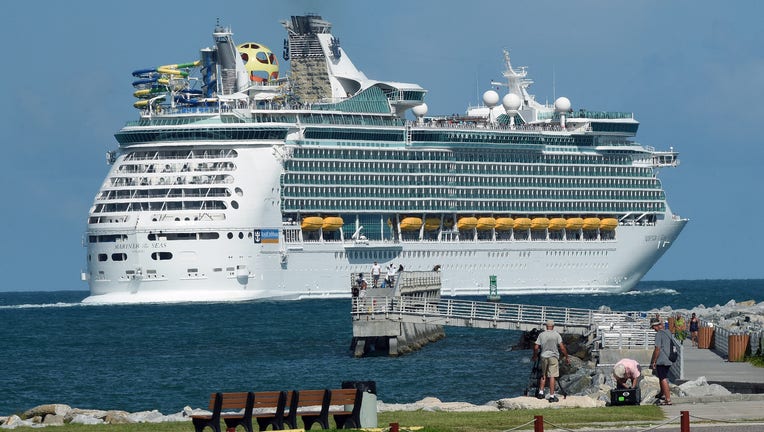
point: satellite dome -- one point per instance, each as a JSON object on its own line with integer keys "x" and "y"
{"x": 562, "y": 104}
{"x": 511, "y": 102}
{"x": 259, "y": 61}
{"x": 490, "y": 98}
{"x": 420, "y": 110}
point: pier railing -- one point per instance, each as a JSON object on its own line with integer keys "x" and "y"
{"x": 468, "y": 313}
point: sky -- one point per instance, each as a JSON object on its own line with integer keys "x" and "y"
{"x": 691, "y": 72}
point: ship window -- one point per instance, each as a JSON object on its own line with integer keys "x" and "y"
{"x": 119, "y": 257}
{"x": 230, "y": 235}
{"x": 103, "y": 257}
{"x": 161, "y": 256}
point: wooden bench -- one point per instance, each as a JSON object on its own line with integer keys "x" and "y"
{"x": 328, "y": 400}
{"x": 227, "y": 401}
{"x": 274, "y": 404}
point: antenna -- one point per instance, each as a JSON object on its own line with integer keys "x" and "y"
{"x": 554, "y": 83}
{"x": 477, "y": 87}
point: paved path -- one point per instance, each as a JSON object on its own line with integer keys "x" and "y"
{"x": 707, "y": 363}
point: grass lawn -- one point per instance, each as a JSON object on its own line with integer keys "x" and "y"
{"x": 571, "y": 418}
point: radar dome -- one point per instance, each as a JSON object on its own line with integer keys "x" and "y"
{"x": 562, "y": 104}
{"x": 511, "y": 102}
{"x": 420, "y": 110}
{"x": 490, "y": 98}
{"x": 259, "y": 61}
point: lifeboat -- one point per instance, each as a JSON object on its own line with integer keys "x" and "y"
{"x": 591, "y": 223}
{"x": 504, "y": 224}
{"x": 556, "y": 224}
{"x": 332, "y": 223}
{"x": 574, "y": 224}
{"x": 411, "y": 223}
{"x": 431, "y": 224}
{"x": 522, "y": 224}
{"x": 312, "y": 223}
{"x": 539, "y": 223}
{"x": 486, "y": 223}
{"x": 467, "y": 223}
{"x": 608, "y": 224}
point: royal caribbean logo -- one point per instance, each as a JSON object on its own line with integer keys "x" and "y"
{"x": 266, "y": 235}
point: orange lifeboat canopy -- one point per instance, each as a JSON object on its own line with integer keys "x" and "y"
{"x": 504, "y": 224}
{"x": 556, "y": 224}
{"x": 411, "y": 223}
{"x": 574, "y": 224}
{"x": 467, "y": 223}
{"x": 522, "y": 224}
{"x": 332, "y": 223}
{"x": 486, "y": 223}
{"x": 539, "y": 223}
{"x": 608, "y": 224}
{"x": 591, "y": 223}
{"x": 431, "y": 224}
{"x": 312, "y": 223}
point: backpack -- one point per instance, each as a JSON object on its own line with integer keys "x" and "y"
{"x": 673, "y": 353}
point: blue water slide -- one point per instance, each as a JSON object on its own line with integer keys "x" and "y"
{"x": 143, "y": 72}
{"x": 144, "y": 81}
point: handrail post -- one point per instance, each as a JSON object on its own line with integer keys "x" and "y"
{"x": 538, "y": 423}
{"x": 685, "y": 421}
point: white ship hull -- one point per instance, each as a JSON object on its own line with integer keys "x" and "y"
{"x": 321, "y": 270}
{"x": 239, "y": 269}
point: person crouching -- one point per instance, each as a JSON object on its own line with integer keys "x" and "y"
{"x": 627, "y": 374}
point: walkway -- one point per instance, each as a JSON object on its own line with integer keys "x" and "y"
{"x": 737, "y": 377}
{"x": 466, "y": 313}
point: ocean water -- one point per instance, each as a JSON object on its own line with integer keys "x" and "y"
{"x": 165, "y": 357}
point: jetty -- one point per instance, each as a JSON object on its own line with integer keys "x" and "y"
{"x": 410, "y": 312}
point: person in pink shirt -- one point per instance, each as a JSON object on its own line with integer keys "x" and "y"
{"x": 627, "y": 370}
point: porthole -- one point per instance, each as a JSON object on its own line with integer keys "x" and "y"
{"x": 241, "y": 235}
{"x": 102, "y": 257}
{"x": 119, "y": 257}
{"x": 161, "y": 256}
{"x": 234, "y": 204}
{"x": 238, "y": 191}
{"x": 230, "y": 235}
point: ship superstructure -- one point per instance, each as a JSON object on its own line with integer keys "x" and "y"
{"x": 236, "y": 183}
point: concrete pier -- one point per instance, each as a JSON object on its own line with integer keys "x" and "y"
{"x": 395, "y": 338}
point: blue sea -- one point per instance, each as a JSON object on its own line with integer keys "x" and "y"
{"x": 165, "y": 357}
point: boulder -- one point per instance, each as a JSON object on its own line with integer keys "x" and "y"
{"x": 43, "y": 410}
{"x": 53, "y": 420}
{"x": 117, "y": 417}
{"x": 95, "y": 413}
{"x": 15, "y": 421}
{"x": 153, "y": 416}
{"x": 526, "y": 402}
{"x": 700, "y": 387}
{"x": 85, "y": 419}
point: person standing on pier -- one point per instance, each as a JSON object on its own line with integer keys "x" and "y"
{"x": 694, "y": 328}
{"x": 390, "y": 275}
{"x": 376, "y": 269}
{"x": 549, "y": 343}
{"x": 660, "y": 363}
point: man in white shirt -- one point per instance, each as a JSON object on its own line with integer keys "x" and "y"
{"x": 376, "y": 269}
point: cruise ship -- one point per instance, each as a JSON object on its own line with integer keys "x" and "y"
{"x": 237, "y": 182}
